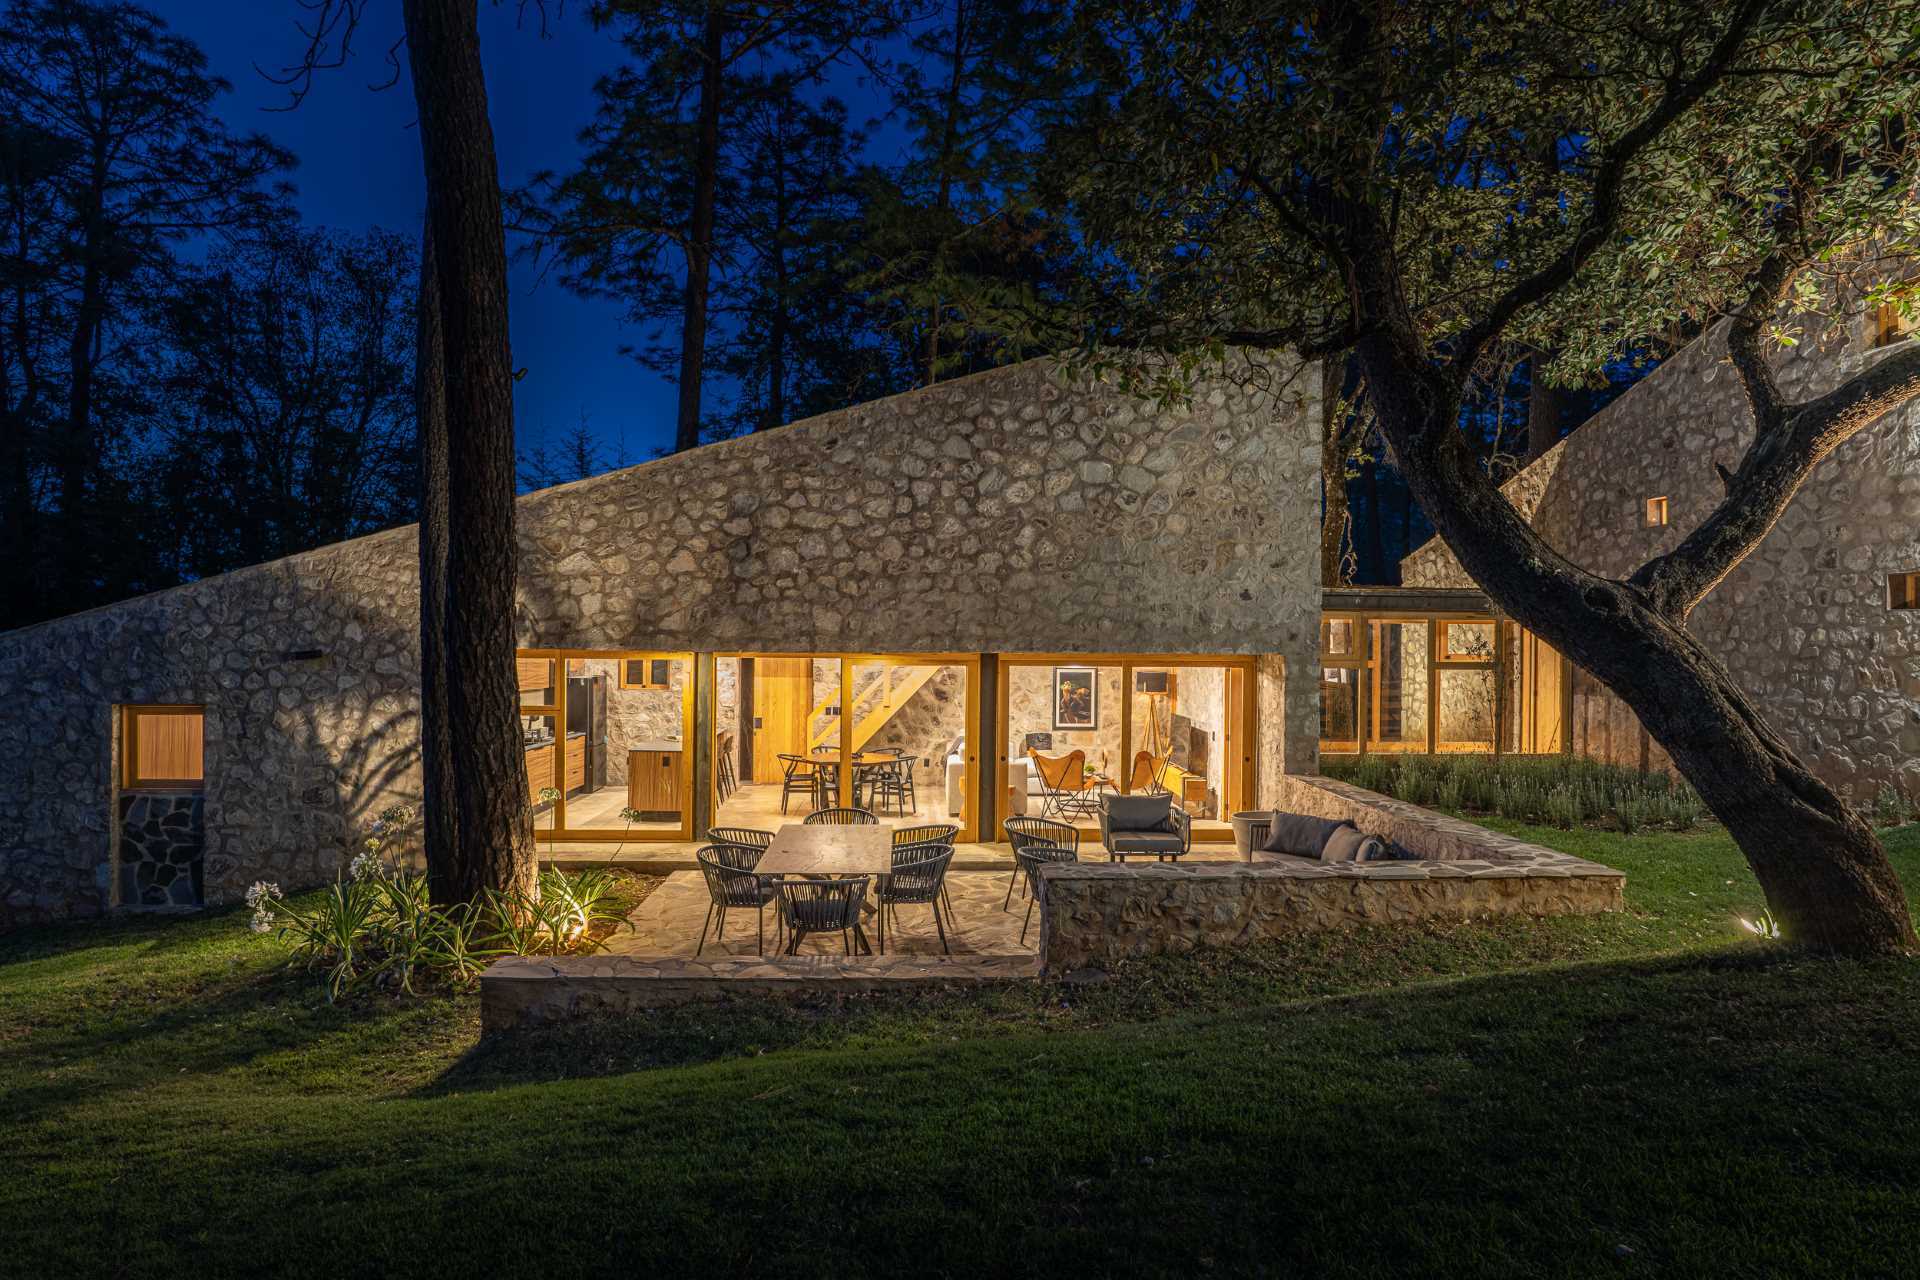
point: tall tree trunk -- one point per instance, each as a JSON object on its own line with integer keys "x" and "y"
{"x": 778, "y": 326}
{"x": 438, "y": 794}
{"x": 943, "y": 196}
{"x": 1335, "y": 519}
{"x": 1543, "y": 407}
{"x": 706, "y": 179}
{"x": 76, "y": 451}
{"x": 1376, "y": 570}
{"x": 1824, "y": 872}
{"x": 492, "y": 829}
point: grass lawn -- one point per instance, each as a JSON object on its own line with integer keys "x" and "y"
{"x": 1642, "y": 1094}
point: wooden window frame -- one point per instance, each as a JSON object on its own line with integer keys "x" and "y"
{"x": 1903, "y": 590}
{"x": 647, "y": 681}
{"x": 1889, "y": 326}
{"x": 130, "y": 714}
{"x": 1656, "y": 514}
{"x": 562, "y": 669}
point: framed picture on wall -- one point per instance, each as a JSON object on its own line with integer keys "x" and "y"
{"x": 1076, "y": 698}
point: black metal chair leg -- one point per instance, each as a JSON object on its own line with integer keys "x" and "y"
{"x": 941, "y": 930}
{"x": 1029, "y": 919}
{"x": 760, "y": 929}
{"x": 704, "y": 926}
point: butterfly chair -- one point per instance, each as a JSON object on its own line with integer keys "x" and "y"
{"x": 1064, "y": 786}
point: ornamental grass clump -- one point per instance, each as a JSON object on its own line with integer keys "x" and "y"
{"x": 376, "y": 925}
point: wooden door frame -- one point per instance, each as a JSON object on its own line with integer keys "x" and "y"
{"x": 560, "y": 831}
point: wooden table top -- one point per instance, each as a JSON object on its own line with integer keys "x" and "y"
{"x": 801, "y": 850}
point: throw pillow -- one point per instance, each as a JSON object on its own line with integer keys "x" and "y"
{"x": 1139, "y": 813}
{"x": 1351, "y": 844}
{"x": 1300, "y": 834}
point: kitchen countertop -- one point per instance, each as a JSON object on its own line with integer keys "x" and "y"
{"x": 653, "y": 746}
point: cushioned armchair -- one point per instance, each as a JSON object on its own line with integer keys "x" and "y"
{"x": 1144, "y": 827}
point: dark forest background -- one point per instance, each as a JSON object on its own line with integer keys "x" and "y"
{"x": 192, "y": 379}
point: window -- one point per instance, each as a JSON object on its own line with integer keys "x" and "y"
{"x": 1336, "y": 637}
{"x": 646, "y": 673}
{"x": 1468, "y": 640}
{"x": 1891, "y": 325}
{"x": 1903, "y": 590}
{"x": 163, "y": 747}
{"x": 1656, "y": 512}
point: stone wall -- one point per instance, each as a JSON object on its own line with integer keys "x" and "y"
{"x": 925, "y": 727}
{"x": 1803, "y": 622}
{"x": 1096, "y": 913}
{"x": 1004, "y": 512}
{"x": 162, "y": 849}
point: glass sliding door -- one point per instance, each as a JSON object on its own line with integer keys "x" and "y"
{"x": 884, "y": 732}
{"x": 612, "y": 735}
{"x": 1181, "y": 732}
{"x": 1399, "y": 671}
{"x": 906, "y": 734}
{"x": 1074, "y": 727}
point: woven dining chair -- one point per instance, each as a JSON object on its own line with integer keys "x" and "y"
{"x": 1029, "y": 861}
{"x": 752, "y": 837}
{"x": 799, "y": 779}
{"x": 1026, "y": 832}
{"x": 822, "y": 906}
{"x": 919, "y": 878}
{"x": 728, "y": 869}
{"x": 841, "y": 818}
{"x": 933, "y": 833}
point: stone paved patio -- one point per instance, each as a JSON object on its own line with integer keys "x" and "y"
{"x": 668, "y": 923}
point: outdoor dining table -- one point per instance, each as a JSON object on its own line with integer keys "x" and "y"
{"x": 802, "y": 850}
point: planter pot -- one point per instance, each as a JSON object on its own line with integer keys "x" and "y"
{"x": 1250, "y": 827}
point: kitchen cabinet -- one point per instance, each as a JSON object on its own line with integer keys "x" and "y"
{"x": 653, "y": 780}
{"x": 576, "y": 765}
{"x": 539, "y": 770}
{"x": 534, "y": 673}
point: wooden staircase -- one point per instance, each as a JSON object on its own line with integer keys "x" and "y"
{"x": 876, "y": 700}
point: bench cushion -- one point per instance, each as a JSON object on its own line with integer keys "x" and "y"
{"x": 1298, "y": 833}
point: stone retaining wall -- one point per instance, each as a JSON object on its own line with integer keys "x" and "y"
{"x": 1094, "y": 914}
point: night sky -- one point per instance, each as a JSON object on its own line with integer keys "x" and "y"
{"x": 360, "y": 167}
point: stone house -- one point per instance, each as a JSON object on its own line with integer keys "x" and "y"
{"x": 851, "y": 608}
{"x": 1821, "y": 623}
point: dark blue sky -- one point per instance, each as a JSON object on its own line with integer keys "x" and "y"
{"x": 360, "y": 167}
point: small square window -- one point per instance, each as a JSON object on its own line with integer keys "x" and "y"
{"x": 1903, "y": 590}
{"x": 1336, "y": 637}
{"x": 163, "y": 747}
{"x": 1891, "y": 324}
{"x": 1656, "y": 512}
{"x": 646, "y": 673}
{"x": 1466, "y": 640}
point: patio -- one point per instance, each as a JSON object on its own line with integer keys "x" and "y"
{"x": 668, "y": 923}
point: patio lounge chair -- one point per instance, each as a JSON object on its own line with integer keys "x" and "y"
{"x": 1029, "y": 861}
{"x": 1144, "y": 826}
{"x": 919, "y": 876}
{"x": 823, "y": 906}
{"x": 731, "y": 883}
{"x": 1024, "y": 833}
{"x": 1064, "y": 786}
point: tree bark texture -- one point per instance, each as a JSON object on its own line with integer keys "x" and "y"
{"x": 1824, "y": 872}
{"x": 437, "y": 792}
{"x": 492, "y": 828}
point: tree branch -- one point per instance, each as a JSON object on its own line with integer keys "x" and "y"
{"x": 1775, "y": 466}
{"x": 1604, "y": 211}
